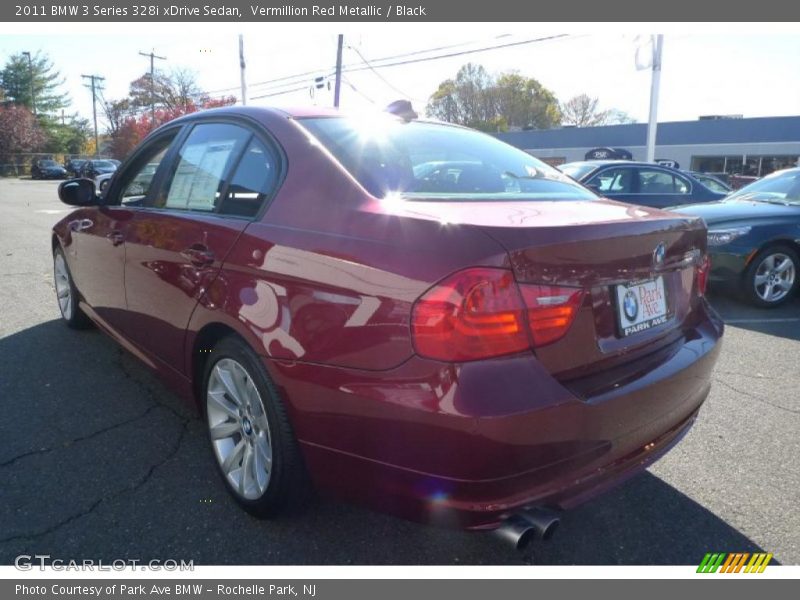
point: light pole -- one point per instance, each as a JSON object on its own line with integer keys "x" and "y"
{"x": 30, "y": 78}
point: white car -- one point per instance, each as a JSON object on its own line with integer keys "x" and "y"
{"x": 101, "y": 182}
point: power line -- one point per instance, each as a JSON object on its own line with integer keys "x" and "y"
{"x": 359, "y": 67}
{"x": 297, "y": 89}
{"x": 357, "y": 91}
{"x": 373, "y": 66}
{"x": 378, "y": 75}
{"x": 461, "y": 53}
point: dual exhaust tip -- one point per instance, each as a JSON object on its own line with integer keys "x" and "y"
{"x": 527, "y": 525}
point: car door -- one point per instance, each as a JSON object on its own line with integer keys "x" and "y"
{"x": 176, "y": 242}
{"x": 98, "y": 240}
{"x": 661, "y": 188}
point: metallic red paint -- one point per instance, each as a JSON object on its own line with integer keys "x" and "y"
{"x": 321, "y": 286}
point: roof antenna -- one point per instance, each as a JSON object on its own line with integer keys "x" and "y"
{"x": 402, "y": 109}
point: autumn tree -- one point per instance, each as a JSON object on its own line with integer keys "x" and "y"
{"x": 178, "y": 88}
{"x": 583, "y": 111}
{"x": 134, "y": 128}
{"x": 19, "y": 133}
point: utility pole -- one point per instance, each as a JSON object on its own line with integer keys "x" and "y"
{"x": 152, "y": 57}
{"x": 241, "y": 70}
{"x": 655, "y": 82}
{"x": 30, "y": 77}
{"x": 338, "y": 87}
{"x": 94, "y": 87}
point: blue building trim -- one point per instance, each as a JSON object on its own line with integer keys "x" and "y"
{"x": 677, "y": 133}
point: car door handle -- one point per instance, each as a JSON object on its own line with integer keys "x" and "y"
{"x": 198, "y": 255}
{"x": 115, "y": 237}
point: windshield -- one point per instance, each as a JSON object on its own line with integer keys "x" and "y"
{"x": 47, "y": 163}
{"x": 712, "y": 183}
{"x": 104, "y": 164}
{"x": 782, "y": 187}
{"x": 438, "y": 162}
{"x": 577, "y": 170}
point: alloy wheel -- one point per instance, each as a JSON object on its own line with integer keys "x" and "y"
{"x": 239, "y": 429}
{"x": 63, "y": 286}
{"x": 774, "y": 277}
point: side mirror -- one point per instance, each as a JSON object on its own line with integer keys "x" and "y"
{"x": 78, "y": 192}
{"x": 594, "y": 186}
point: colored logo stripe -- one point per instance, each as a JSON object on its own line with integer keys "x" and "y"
{"x": 733, "y": 562}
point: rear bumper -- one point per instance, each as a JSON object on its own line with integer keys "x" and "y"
{"x": 467, "y": 445}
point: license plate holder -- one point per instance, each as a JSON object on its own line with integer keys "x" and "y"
{"x": 641, "y": 305}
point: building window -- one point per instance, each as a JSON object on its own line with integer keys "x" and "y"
{"x": 749, "y": 165}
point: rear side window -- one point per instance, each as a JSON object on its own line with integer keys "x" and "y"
{"x": 653, "y": 181}
{"x": 203, "y": 166}
{"x": 419, "y": 160}
{"x": 253, "y": 182}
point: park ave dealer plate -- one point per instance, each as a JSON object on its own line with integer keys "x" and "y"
{"x": 641, "y": 306}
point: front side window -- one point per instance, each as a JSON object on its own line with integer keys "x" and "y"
{"x": 614, "y": 180}
{"x": 431, "y": 161}
{"x": 203, "y": 165}
{"x": 136, "y": 180}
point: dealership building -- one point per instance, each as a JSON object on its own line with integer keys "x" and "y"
{"x": 715, "y": 144}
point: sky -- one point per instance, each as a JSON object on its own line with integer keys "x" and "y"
{"x": 706, "y": 69}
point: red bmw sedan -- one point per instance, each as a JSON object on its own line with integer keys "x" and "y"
{"x": 407, "y": 314}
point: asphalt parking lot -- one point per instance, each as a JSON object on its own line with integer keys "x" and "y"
{"x": 98, "y": 460}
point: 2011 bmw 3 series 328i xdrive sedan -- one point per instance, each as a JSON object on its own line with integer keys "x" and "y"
{"x": 407, "y": 314}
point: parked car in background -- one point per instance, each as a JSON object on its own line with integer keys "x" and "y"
{"x": 711, "y": 182}
{"x": 734, "y": 181}
{"x": 94, "y": 167}
{"x": 642, "y": 183}
{"x": 73, "y": 166}
{"x": 47, "y": 169}
{"x": 473, "y": 346}
{"x": 754, "y": 238}
{"x": 101, "y": 181}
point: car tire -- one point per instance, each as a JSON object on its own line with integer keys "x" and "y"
{"x": 771, "y": 278}
{"x": 67, "y": 294}
{"x": 103, "y": 185}
{"x": 252, "y": 440}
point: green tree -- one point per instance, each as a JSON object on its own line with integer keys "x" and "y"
{"x": 477, "y": 99}
{"x": 525, "y": 102}
{"x": 69, "y": 137}
{"x": 17, "y": 76}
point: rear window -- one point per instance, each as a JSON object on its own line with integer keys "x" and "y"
{"x": 419, "y": 160}
{"x": 577, "y": 170}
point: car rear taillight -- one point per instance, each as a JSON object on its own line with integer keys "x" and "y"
{"x": 551, "y": 310}
{"x": 476, "y": 313}
{"x": 482, "y": 312}
{"x": 701, "y": 274}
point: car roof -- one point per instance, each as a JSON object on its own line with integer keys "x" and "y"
{"x": 602, "y": 163}
{"x": 299, "y": 112}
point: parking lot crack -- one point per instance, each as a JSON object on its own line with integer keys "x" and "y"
{"x": 99, "y": 502}
{"x": 83, "y": 438}
{"x": 757, "y": 398}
